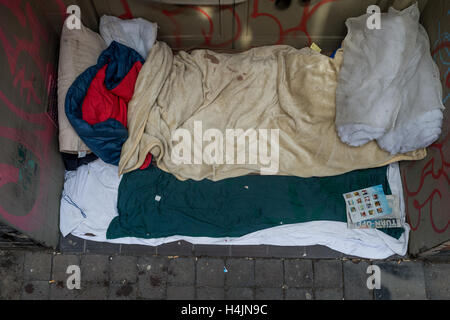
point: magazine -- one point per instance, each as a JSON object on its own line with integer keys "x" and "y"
{"x": 368, "y": 203}
{"x": 393, "y": 220}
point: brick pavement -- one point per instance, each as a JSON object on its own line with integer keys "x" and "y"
{"x": 142, "y": 273}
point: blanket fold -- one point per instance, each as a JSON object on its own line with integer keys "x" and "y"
{"x": 270, "y": 88}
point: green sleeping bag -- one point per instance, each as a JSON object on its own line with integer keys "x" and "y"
{"x": 154, "y": 204}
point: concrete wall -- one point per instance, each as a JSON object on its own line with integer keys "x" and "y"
{"x": 427, "y": 182}
{"x": 31, "y": 170}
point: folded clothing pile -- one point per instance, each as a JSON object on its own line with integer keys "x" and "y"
{"x": 96, "y": 79}
{"x": 389, "y": 88}
{"x": 96, "y": 103}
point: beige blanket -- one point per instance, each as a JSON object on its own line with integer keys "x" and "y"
{"x": 273, "y": 87}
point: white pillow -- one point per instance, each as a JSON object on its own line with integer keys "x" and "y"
{"x": 79, "y": 50}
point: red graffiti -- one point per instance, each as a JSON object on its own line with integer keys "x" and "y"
{"x": 32, "y": 48}
{"x": 419, "y": 207}
{"x": 126, "y": 7}
{"x": 62, "y": 8}
{"x": 207, "y": 35}
{"x": 307, "y": 12}
{"x": 302, "y": 26}
{"x": 38, "y": 130}
{"x": 436, "y": 168}
{"x": 15, "y": 8}
{"x": 9, "y": 174}
{"x": 445, "y": 44}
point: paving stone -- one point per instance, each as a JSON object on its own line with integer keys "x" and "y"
{"x": 401, "y": 281}
{"x": 201, "y": 250}
{"x": 94, "y": 268}
{"x": 249, "y": 251}
{"x": 59, "y": 291}
{"x": 123, "y": 268}
{"x": 355, "y": 281}
{"x": 177, "y": 248}
{"x": 268, "y": 294}
{"x": 328, "y": 274}
{"x": 181, "y": 272}
{"x": 298, "y": 294}
{"x": 180, "y": 293}
{"x": 329, "y": 294}
{"x": 437, "y": 279}
{"x": 71, "y": 244}
{"x": 122, "y": 291}
{"x": 95, "y": 247}
{"x": 210, "y": 272}
{"x": 321, "y": 252}
{"x": 35, "y": 290}
{"x": 286, "y": 252}
{"x": 61, "y": 263}
{"x": 209, "y": 293}
{"x": 241, "y": 273}
{"x": 11, "y": 286}
{"x": 38, "y": 266}
{"x": 269, "y": 273}
{"x": 239, "y": 294}
{"x": 137, "y": 250}
{"x": 93, "y": 291}
{"x": 298, "y": 273}
{"x": 152, "y": 277}
{"x": 25, "y": 275}
{"x": 11, "y": 274}
{"x": 11, "y": 260}
{"x": 439, "y": 256}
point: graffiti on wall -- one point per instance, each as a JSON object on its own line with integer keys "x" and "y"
{"x": 207, "y": 35}
{"x": 127, "y": 14}
{"x": 30, "y": 133}
{"x": 420, "y": 199}
{"x": 173, "y": 13}
{"x": 302, "y": 26}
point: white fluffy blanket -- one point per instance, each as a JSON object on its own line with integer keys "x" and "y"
{"x": 389, "y": 88}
